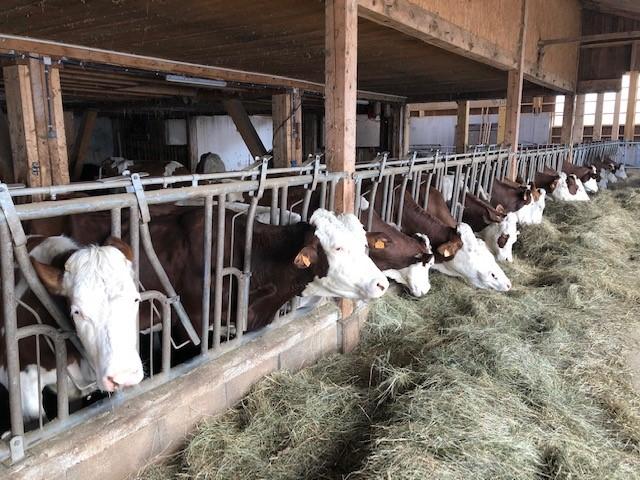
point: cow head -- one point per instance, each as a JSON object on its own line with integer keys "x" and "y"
{"x": 475, "y": 263}
{"x": 590, "y": 180}
{"x": 620, "y": 172}
{"x": 409, "y": 264}
{"x": 500, "y": 237}
{"x": 98, "y": 283}
{"x": 532, "y": 212}
{"x": 337, "y": 253}
{"x": 576, "y": 189}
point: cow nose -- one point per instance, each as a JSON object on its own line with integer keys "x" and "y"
{"x": 109, "y": 384}
{"x": 124, "y": 378}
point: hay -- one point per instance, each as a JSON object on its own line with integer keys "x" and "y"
{"x": 465, "y": 383}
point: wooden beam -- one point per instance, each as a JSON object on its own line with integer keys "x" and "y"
{"x": 12, "y": 44}
{"x": 578, "y": 121}
{"x": 247, "y": 131}
{"x": 406, "y": 130}
{"x": 40, "y": 114}
{"x": 22, "y": 127}
{"x": 192, "y": 133}
{"x": 84, "y": 142}
{"x": 596, "y": 38}
{"x": 598, "y": 86}
{"x": 397, "y": 137}
{"x": 341, "y": 47}
{"x": 615, "y": 126}
{"x": 433, "y": 106}
{"x": 630, "y": 123}
{"x": 462, "y": 127}
{"x": 6, "y": 161}
{"x": 515, "y": 81}
{"x": 58, "y": 151}
{"x": 502, "y": 124}
{"x": 597, "y": 125}
{"x": 416, "y": 21}
{"x": 287, "y": 126}
{"x": 566, "y": 134}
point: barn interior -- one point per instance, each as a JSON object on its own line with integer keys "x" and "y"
{"x": 164, "y": 81}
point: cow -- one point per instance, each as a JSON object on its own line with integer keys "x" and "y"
{"x": 496, "y": 227}
{"x": 532, "y": 212}
{"x": 96, "y": 286}
{"x": 457, "y": 251}
{"x": 325, "y": 257}
{"x": 587, "y": 175}
{"x": 563, "y": 187}
{"x": 210, "y": 163}
{"x": 408, "y": 259}
{"x": 518, "y": 199}
{"x": 115, "y": 166}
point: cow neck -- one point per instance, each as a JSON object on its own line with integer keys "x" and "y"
{"x": 416, "y": 220}
{"x": 275, "y": 278}
{"x": 474, "y": 213}
{"x": 403, "y": 250}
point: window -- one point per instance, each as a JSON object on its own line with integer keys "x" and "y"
{"x": 624, "y": 97}
{"x": 558, "y": 113}
{"x": 608, "y": 108}
{"x": 590, "y": 102}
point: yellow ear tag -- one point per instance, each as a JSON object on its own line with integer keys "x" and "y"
{"x": 306, "y": 260}
{"x": 379, "y": 245}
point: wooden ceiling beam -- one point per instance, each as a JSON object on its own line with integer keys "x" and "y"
{"x": 15, "y": 44}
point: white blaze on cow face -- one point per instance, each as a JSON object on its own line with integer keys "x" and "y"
{"x": 532, "y": 212}
{"x": 351, "y": 273}
{"x": 475, "y": 263}
{"x": 581, "y": 195}
{"x": 99, "y": 284}
{"x": 415, "y": 277}
{"x": 500, "y": 237}
{"x": 591, "y": 185}
{"x": 621, "y": 172}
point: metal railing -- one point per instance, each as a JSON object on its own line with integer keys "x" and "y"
{"x": 128, "y": 203}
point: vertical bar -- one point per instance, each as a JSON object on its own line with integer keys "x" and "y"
{"x": 206, "y": 274}
{"x": 217, "y": 294}
{"x": 116, "y": 223}
{"x": 166, "y": 336}
{"x": 61, "y": 378}
{"x": 283, "y": 205}
{"x": 10, "y": 330}
{"x": 273, "y": 217}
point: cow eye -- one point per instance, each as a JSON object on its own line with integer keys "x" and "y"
{"x": 338, "y": 249}
{"x": 136, "y": 300}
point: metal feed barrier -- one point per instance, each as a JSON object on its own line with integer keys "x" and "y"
{"x": 131, "y": 198}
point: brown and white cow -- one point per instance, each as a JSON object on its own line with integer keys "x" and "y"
{"x": 499, "y": 229}
{"x": 458, "y": 252}
{"x": 325, "y": 257}
{"x": 96, "y": 285}
{"x": 587, "y": 175}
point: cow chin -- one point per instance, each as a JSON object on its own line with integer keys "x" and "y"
{"x": 366, "y": 290}
{"x": 414, "y": 277}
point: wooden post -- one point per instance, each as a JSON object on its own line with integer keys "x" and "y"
{"x": 630, "y": 123}
{"x": 57, "y": 135}
{"x": 22, "y": 127}
{"x": 287, "y": 128}
{"x": 84, "y": 141}
{"x": 502, "y": 120}
{"x": 192, "y": 140}
{"x": 615, "y": 126}
{"x": 514, "y": 94}
{"x": 566, "y": 134}
{"x": 341, "y": 47}
{"x": 247, "y": 131}
{"x": 397, "y": 136}
{"x": 578, "y": 122}
{"x": 597, "y": 125}
{"x": 406, "y": 129}
{"x": 462, "y": 128}
{"x": 340, "y": 72}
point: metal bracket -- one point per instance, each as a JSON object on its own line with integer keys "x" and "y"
{"x": 16, "y": 447}
{"x": 138, "y": 189}
{"x": 263, "y": 176}
{"x": 9, "y": 210}
{"x": 383, "y": 165}
{"x": 411, "y": 165}
{"x": 316, "y": 172}
{"x": 173, "y": 300}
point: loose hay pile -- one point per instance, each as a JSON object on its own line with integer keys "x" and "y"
{"x": 464, "y": 383}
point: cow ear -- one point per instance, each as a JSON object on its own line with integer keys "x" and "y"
{"x": 306, "y": 257}
{"x": 51, "y": 277}
{"x": 124, "y": 247}
{"x": 378, "y": 241}
{"x": 526, "y": 196}
{"x": 500, "y": 209}
{"x": 449, "y": 249}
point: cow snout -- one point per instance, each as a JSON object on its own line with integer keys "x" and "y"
{"x": 121, "y": 379}
{"x": 377, "y": 287}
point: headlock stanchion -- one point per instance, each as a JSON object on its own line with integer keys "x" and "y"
{"x": 472, "y": 172}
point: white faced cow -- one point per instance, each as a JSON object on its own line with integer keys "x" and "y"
{"x": 98, "y": 286}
